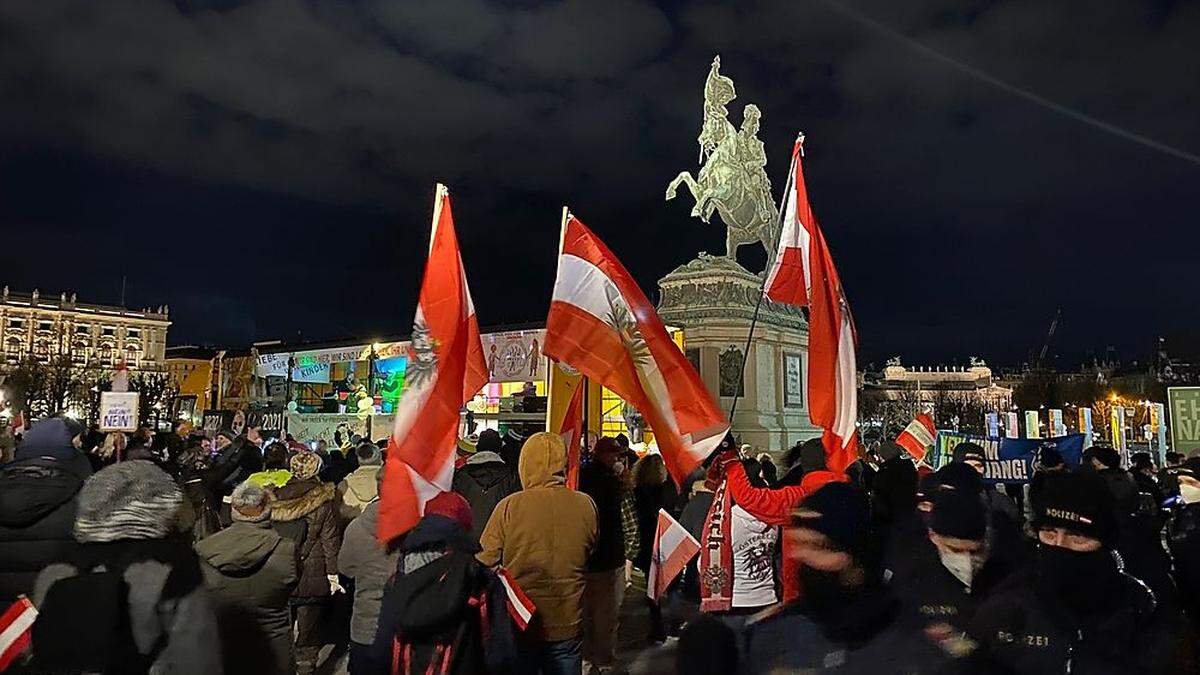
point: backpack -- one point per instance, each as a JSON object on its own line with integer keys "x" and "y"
{"x": 83, "y": 625}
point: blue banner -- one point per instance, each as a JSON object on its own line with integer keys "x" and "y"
{"x": 1009, "y": 460}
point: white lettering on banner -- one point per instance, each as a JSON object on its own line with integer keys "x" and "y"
{"x": 305, "y": 427}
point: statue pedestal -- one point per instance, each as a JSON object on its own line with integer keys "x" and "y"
{"x": 712, "y": 299}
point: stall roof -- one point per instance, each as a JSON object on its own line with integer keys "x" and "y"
{"x": 279, "y": 346}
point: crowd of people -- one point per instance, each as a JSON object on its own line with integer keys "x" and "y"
{"x": 181, "y": 553}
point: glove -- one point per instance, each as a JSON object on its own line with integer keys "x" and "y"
{"x": 334, "y": 586}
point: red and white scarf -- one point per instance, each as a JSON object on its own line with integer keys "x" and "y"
{"x": 716, "y": 554}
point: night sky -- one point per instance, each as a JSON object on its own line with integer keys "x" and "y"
{"x": 266, "y": 167}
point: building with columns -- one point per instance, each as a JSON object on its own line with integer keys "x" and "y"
{"x": 91, "y": 335}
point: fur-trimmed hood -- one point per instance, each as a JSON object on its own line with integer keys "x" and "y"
{"x": 296, "y": 500}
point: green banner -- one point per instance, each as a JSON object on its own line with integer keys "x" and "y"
{"x": 1184, "y": 405}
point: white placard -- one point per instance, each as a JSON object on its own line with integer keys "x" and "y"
{"x": 119, "y": 410}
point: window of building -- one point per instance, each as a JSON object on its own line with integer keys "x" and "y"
{"x": 13, "y": 350}
{"x": 132, "y": 353}
{"x": 16, "y": 323}
{"x": 133, "y": 332}
{"x": 82, "y": 329}
{"x": 45, "y": 325}
{"x": 108, "y": 331}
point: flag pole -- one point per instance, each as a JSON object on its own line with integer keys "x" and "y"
{"x": 762, "y": 291}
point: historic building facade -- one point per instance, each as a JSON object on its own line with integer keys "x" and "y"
{"x": 91, "y": 335}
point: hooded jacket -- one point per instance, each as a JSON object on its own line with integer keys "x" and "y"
{"x": 483, "y": 481}
{"x": 358, "y": 489}
{"x": 250, "y": 571}
{"x": 362, "y": 559}
{"x": 37, "y": 514}
{"x": 543, "y": 535}
{"x": 317, "y": 537}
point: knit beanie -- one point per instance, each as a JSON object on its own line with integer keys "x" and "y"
{"x": 959, "y": 514}
{"x": 889, "y": 450}
{"x": 812, "y": 455}
{"x": 1107, "y": 456}
{"x": 305, "y": 465}
{"x": 968, "y": 452}
{"x": 839, "y": 511}
{"x": 958, "y": 476}
{"x": 249, "y": 497}
{"x": 129, "y": 500}
{"x": 368, "y": 455}
{"x": 1078, "y": 501}
{"x": 489, "y": 441}
{"x": 451, "y": 505}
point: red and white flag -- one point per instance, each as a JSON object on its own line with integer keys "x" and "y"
{"x": 16, "y": 630}
{"x": 803, "y": 274}
{"x": 520, "y": 607}
{"x": 446, "y": 368}
{"x": 918, "y": 437}
{"x": 601, "y": 324}
{"x": 571, "y": 433}
{"x": 674, "y": 547}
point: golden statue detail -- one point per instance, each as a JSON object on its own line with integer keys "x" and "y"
{"x": 732, "y": 179}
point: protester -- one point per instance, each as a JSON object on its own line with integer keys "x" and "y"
{"x": 543, "y": 536}
{"x": 1075, "y": 609}
{"x": 1183, "y": 537}
{"x": 443, "y": 611}
{"x": 37, "y": 505}
{"x": 894, "y": 504}
{"x": 485, "y": 479}
{"x": 770, "y": 472}
{"x": 652, "y": 491}
{"x": 361, "y": 486}
{"x": 1167, "y": 475}
{"x": 758, "y": 507}
{"x": 848, "y": 619}
{"x": 251, "y": 571}
{"x": 1049, "y": 462}
{"x": 275, "y": 473}
{"x": 363, "y": 559}
{"x": 110, "y": 450}
{"x": 305, "y": 511}
{"x": 604, "y": 480}
{"x": 131, "y": 595}
{"x": 201, "y": 507}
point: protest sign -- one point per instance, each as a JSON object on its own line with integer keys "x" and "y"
{"x": 515, "y": 356}
{"x": 306, "y": 427}
{"x": 1184, "y": 404}
{"x": 1010, "y": 460}
{"x": 119, "y": 411}
{"x": 268, "y": 420}
{"x": 216, "y": 420}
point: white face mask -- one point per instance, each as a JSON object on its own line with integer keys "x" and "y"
{"x": 1190, "y": 494}
{"x": 964, "y": 566}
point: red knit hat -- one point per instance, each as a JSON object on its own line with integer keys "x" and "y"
{"x": 451, "y": 505}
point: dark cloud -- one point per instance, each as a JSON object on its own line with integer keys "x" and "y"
{"x": 266, "y": 166}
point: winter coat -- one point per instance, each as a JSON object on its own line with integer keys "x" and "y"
{"x": 483, "y": 481}
{"x": 543, "y": 536}
{"x": 37, "y": 515}
{"x": 606, "y": 491}
{"x": 931, "y": 595}
{"x": 443, "y": 611}
{"x": 1123, "y": 489}
{"x": 305, "y": 512}
{"x": 358, "y": 489}
{"x": 362, "y": 559}
{"x": 168, "y": 606}
{"x": 1021, "y": 628}
{"x": 250, "y": 571}
{"x": 868, "y": 634}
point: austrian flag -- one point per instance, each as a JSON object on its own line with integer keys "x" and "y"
{"x": 803, "y": 274}
{"x": 446, "y": 369}
{"x": 601, "y": 324}
{"x": 571, "y": 432}
{"x": 673, "y": 548}
{"x": 918, "y": 437}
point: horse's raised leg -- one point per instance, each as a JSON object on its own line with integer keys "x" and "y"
{"x": 685, "y": 178}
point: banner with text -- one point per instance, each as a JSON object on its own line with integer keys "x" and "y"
{"x": 306, "y": 427}
{"x": 1010, "y": 460}
{"x": 119, "y": 411}
{"x": 1183, "y": 404}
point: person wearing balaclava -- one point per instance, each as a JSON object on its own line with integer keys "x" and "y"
{"x": 1183, "y": 536}
{"x": 1076, "y": 609}
{"x": 956, "y": 567}
{"x": 847, "y": 620}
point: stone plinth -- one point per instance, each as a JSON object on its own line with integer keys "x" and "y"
{"x": 713, "y": 298}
